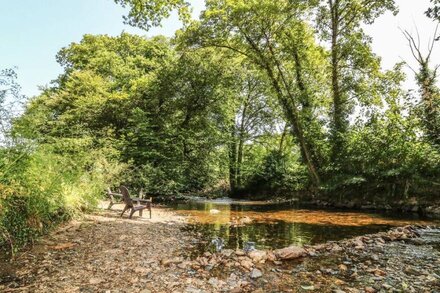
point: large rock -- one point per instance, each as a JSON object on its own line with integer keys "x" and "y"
{"x": 290, "y": 252}
{"x": 258, "y": 256}
{"x": 246, "y": 263}
{"x": 255, "y": 274}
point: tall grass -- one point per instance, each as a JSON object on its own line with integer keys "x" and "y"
{"x": 51, "y": 184}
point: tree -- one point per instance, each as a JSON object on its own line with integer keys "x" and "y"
{"x": 273, "y": 37}
{"x": 351, "y": 59}
{"x": 146, "y": 13}
{"x": 426, "y": 78}
{"x": 253, "y": 117}
{"x": 9, "y": 98}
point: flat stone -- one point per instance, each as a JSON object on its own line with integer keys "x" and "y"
{"x": 290, "y": 252}
{"x": 256, "y": 273}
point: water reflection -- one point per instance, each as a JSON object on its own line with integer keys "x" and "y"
{"x": 276, "y": 226}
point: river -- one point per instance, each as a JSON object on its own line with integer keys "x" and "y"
{"x": 270, "y": 225}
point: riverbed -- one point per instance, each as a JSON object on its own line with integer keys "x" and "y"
{"x": 269, "y": 225}
{"x": 103, "y": 252}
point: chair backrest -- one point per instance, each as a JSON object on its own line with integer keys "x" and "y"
{"x": 126, "y": 196}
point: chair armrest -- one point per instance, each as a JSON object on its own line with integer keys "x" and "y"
{"x": 141, "y": 200}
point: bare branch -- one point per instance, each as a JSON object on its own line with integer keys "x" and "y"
{"x": 431, "y": 46}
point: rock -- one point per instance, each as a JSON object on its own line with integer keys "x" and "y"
{"x": 358, "y": 243}
{"x": 290, "y": 252}
{"x": 255, "y": 274}
{"x": 336, "y": 248}
{"x": 246, "y": 263}
{"x": 214, "y": 211}
{"x": 239, "y": 252}
{"x": 167, "y": 262}
{"x": 370, "y": 290}
{"x": 213, "y": 281}
{"x": 308, "y": 288}
{"x": 258, "y": 256}
{"x": 227, "y": 252}
{"x": 95, "y": 281}
{"x": 380, "y": 273}
{"x": 343, "y": 267}
{"x": 271, "y": 256}
{"x": 412, "y": 271}
{"x": 141, "y": 271}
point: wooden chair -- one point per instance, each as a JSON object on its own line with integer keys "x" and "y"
{"x": 114, "y": 198}
{"x": 142, "y": 204}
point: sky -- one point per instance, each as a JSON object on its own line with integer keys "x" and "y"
{"x": 33, "y": 31}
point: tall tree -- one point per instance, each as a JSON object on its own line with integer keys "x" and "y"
{"x": 254, "y": 116}
{"x": 351, "y": 60}
{"x": 275, "y": 38}
{"x": 426, "y": 77}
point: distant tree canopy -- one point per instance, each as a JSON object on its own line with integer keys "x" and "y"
{"x": 250, "y": 82}
{"x": 146, "y": 14}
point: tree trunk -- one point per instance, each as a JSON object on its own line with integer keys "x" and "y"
{"x": 290, "y": 110}
{"x": 338, "y": 115}
{"x": 283, "y": 137}
{"x": 431, "y": 104}
{"x": 233, "y": 160}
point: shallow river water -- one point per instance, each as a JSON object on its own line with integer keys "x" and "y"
{"x": 271, "y": 225}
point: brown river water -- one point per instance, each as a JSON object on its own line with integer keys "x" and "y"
{"x": 270, "y": 225}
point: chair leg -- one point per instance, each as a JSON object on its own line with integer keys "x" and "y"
{"x": 131, "y": 213}
{"x": 140, "y": 213}
{"x": 110, "y": 205}
{"x": 124, "y": 210}
{"x": 149, "y": 208}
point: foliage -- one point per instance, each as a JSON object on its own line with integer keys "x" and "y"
{"x": 434, "y": 11}
{"x": 9, "y": 98}
{"x": 146, "y": 14}
{"x": 43, "y": 186}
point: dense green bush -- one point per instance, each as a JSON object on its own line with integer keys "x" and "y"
{"x": 52, "y": 183}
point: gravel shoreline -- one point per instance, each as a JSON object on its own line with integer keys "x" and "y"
{"x": 104, "y": 253}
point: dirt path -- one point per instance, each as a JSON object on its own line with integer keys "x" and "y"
{"x": 104, "y": 253}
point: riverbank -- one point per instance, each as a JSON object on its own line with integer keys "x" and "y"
{"x": 428, "y": 208}
{"x": 104, "y": 253}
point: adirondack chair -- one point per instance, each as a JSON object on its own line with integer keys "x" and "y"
{"x": 114, "y": 198}
{"x": 141, "y": 204}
